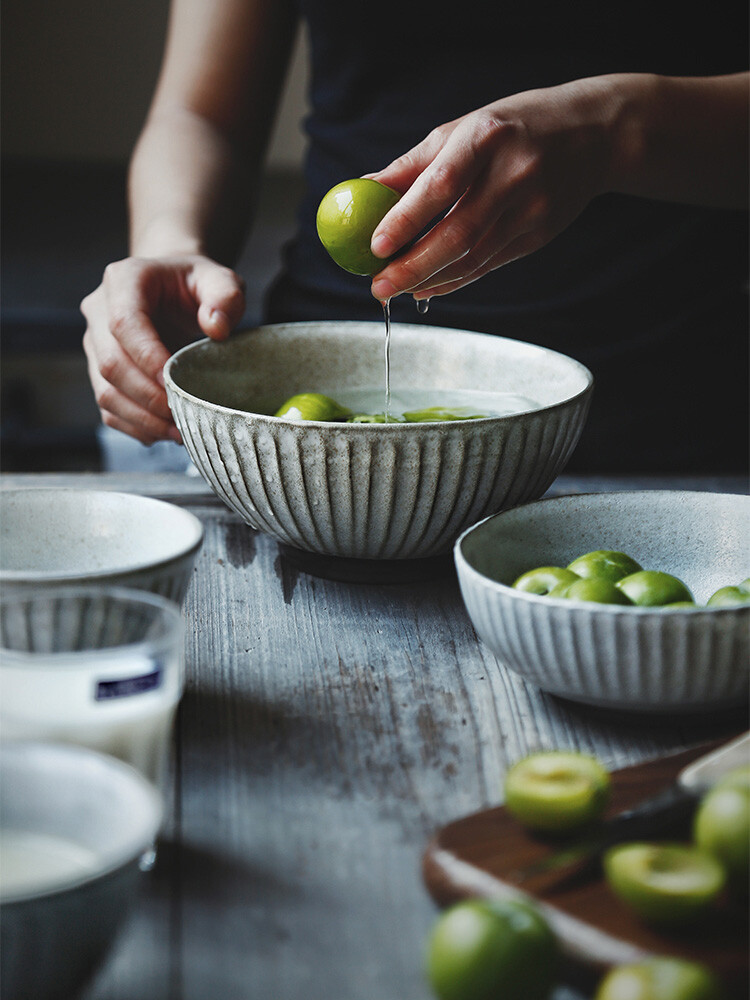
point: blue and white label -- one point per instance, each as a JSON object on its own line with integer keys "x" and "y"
{"x": 127, "y": 687}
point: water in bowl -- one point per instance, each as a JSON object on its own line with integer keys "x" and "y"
{"x": 403, "y": 399}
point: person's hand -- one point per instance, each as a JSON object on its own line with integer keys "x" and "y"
{"x": 510, "y": 177}
{"x": 144, "y": 310}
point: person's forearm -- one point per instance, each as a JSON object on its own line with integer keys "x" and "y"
{"x": 681, "y": 138}
{"x": 189, "y": 189}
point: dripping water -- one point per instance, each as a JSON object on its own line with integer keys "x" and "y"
{"x": 423, "y": 305}
{"x": 386, "y": 303}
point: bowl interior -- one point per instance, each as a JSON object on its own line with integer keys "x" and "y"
{"x": 702, "y": 538}
{"x": 257, "y": 370}
{"x": 69, "y": 532}
{"x": 74, "y": 796}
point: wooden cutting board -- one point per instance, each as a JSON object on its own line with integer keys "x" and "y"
{"x": 480, "y": 854}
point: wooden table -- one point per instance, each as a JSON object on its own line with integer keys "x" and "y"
{"x": 327, "y": 729}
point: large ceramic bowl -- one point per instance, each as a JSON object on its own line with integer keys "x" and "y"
{"x": 650, "y": 659}
{"x": 75, "y": 537}
{"x": 74, "y": 826}
{"x": 372, "y": 491}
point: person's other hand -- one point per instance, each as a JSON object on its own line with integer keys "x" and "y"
{"x": 144, "y": 310}
{"x": 501, "y": 182}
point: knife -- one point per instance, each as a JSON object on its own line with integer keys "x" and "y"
{"x": 658, "y": 815}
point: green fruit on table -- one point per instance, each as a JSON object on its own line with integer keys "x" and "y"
{"x": 727, "y": 597}
{"x": 722, "y": 826}
{"x": 556, "y": 791}
{"x": 312, "y": 406}
{"x": 668, "y": 884}
{"x": 482, "y": 950}
{"x": 348, "y": 216}
{"x": 595, "y": 589}
{"x": 542, "y": 580}
{"x": 652, "y": 588}
{"x": 605, "y": 563}
{"x": 659, "y": 979}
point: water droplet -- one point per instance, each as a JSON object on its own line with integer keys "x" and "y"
{"x": 422, "y": 305}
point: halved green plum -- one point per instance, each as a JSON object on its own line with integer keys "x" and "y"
{"x": 659, "y": 979}
{"x": 605, "y": 563}
{"x": 556, "y": 791}
{"x": 662, "y": 883}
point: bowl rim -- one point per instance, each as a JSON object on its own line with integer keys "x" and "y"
{"x": 466, "y": 570}
{"x": 350, "y": 428}
{"x": 44, "y": 577}
{"x": 112, "y": 862}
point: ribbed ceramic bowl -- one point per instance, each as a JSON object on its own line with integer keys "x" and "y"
{"x": 100, "y": 816}
{"x": 74, "y": 537}
{"x": 649, "y": 659}
{"x": 371, "y": 491}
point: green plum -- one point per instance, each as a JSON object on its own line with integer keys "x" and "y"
{"x": 347, "y": 217}
{"x": 722, "y": 826}
{"x": 659, "y": 979}
{"x": 543, "y": 579}
{"x": 312, "y": 406}
{"x": 652, "y": 588}
{"x": 432, "y": 413}
{"x": 605, "y": 563}
{"x": 482, "y": 950}
{"x": 668, "y": 884}
{"x": 596, "y": 589}
{"x": 727, "y": 597}
{"x": 556, "y": 791}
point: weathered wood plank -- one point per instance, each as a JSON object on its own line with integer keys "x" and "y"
{"x": 326, "y": 731}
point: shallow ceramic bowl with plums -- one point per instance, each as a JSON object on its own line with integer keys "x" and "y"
{"x": 644, "y": 658}
{"x": 393, "y": 491}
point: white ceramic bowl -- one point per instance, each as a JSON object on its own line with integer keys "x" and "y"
{"x": 650, "y": 659}
{"x": 372, "y": 491}
{"x": 60, "y": 537}
{"x": 100, "y": 816}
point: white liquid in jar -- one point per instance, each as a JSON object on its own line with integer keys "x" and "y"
{"x": 32, "y": 862}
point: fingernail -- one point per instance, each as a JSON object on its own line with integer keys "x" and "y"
{"x": 383, "y": 289}
{"x": 382, "y": 245}
{"x": 218, "y": 318}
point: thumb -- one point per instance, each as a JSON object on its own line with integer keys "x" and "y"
{"x": 220, "y": 294}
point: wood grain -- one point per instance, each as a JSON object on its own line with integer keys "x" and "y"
{"x": 327, "y": 730}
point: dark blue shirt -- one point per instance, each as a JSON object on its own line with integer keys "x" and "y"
{"x": 651, "y": 296}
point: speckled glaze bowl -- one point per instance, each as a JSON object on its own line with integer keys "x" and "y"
{"x": 649, "y": 659}
{"x": 55, "y": 537}
{"x": 56, "y": 932}
{"x": 371, "y": 491}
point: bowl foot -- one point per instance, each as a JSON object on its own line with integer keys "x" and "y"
{"x": 378, "y": 571}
